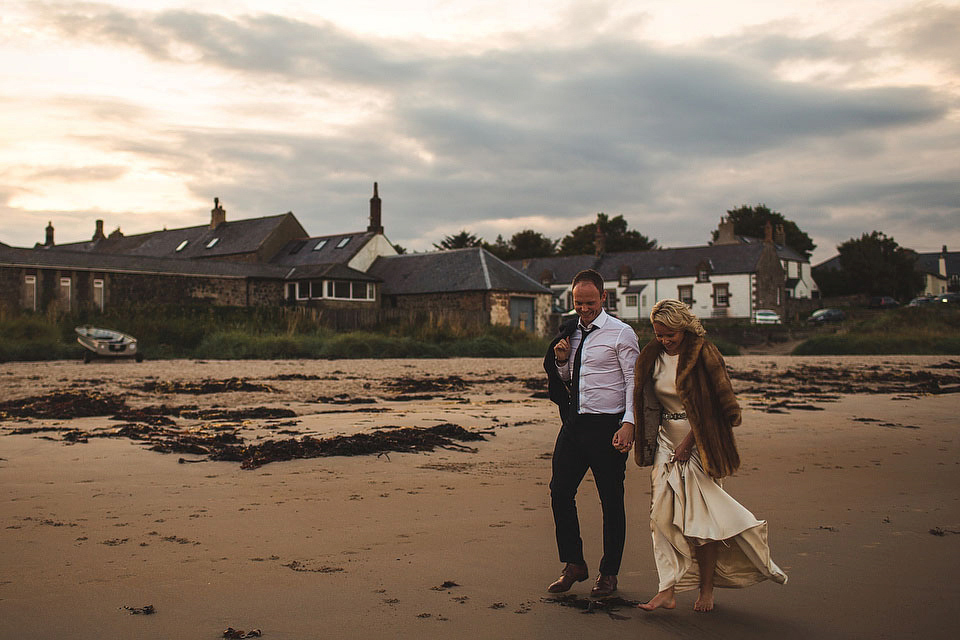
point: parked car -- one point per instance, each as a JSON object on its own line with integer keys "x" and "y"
{"x": 766, "y": 316}
{"x": 922, "y": 300}
{"x": 883, "y": 302}
{"x": 821, "y": 316}
{"x": 949, "y": 298}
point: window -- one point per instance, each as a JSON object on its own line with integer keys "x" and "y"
{"x": 30, "y": 293}
{"x": 98, "y": 300}
{"x": 66, "y": 285}
{"x": 347, "y": 290}
{"x": 624, "y": 279}
{"x": 721, "y": 295}
{"x": 320, "y": 245}
{"x": 643, "y": 300}
{"x": 631, "y": 300}
{"x": 611, "y": 303}
{"x": 316, "y": 288}
{"x": 182, "y": 246}
{"x": 703, "y": 274}
{"x": 343, "y": 242}
{"x": 213, "y": 243}
{"x": 303, "y": 290}
{"x": 685, "y": 294}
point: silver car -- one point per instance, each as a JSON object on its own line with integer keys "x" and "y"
{"x": 766, "y": 316}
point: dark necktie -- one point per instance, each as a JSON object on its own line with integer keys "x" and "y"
{"x": 575, "y": 391}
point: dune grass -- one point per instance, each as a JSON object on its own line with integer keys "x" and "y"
{"x": 928, "y": 330}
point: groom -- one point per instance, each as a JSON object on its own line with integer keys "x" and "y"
{"x": 590, "y": 371}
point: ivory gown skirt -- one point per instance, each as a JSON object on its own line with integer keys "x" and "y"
{"x": 691, "y": 508}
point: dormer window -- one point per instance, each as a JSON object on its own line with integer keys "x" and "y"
{"x": 182, "y": 246}
{"x": 343, "y": 242}
{"x": 213, "y": 243}
{"x": 320, "y": 245}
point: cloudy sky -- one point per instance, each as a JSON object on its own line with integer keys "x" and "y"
{"x": 486, "y": 115}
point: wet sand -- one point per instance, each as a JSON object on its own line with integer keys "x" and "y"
{"x": 854, "y": 462}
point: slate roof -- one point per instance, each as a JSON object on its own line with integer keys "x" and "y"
{"x": 329, "y": 271}
{"x": 87, "y": 261}
{"x": 926, "y": 262}
{"x": 456, "y": 270}
{"x": 930, "y": 262}
{"x": 652, "y": 264}
{"x": 232, "y": 237}
{"x": 306, "y": 252}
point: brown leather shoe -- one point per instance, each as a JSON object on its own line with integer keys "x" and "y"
{"x": 571, "y": 573}
{"x": 604, "y": 587}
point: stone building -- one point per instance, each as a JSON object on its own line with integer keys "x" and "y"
{"x": 265, "y": 262}
{"x": 731, "y": 278}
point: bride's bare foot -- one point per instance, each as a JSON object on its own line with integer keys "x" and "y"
{"x": 704, "y": 602}
{"x": 664, "y": 600}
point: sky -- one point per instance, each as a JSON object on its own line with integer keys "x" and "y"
{"x": 487, "y": 116}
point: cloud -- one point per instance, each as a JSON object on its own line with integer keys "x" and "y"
{"x": 560, "y": 123}
{"x": 98, "y": 173}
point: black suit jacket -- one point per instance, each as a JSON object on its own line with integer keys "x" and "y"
{"x": 558, "y": 389}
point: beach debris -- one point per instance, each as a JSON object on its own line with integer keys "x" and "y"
{"x": 345, "y": 398}
{"x": 447, "y": 584}
{"x": 298, "y": 376}
{"x": 941, "y": 532}
{"x": 608, "y": 605}
{"x": 230, "y": 632}
{"x": 145, "y": 610}
{"x": 203, "y": 386}
{"x": 422, "y": 385}
{"x": 63, "y": 405}
{"x": 296, "y": 565}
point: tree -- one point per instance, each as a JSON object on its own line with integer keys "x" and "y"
{"x": 616, "y": 237}
{"x": 750, "y": 221}
{"x": 462, "y": 240}
{"x": 876, "y": 265}
{"x": 523, "y": 244}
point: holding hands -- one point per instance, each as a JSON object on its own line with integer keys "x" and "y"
{"x": 623, "y": 438}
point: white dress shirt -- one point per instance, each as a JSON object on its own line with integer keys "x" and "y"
{"x": 606, "y": 366}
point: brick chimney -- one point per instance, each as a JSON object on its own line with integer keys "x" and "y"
{"x": 942, "y": 262}
{"x": 376, "y": 224}
{"x": 218, "y": 215}
{"x": 779, "y": 236}
{"x": 599, "y": 239}
{"x": 768, "y": 232}
{"x": 49, "y": 241}
{"x": 98, "y": 234}
{"x": 725, "y": 233}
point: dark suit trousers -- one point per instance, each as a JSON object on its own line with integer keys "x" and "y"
{"x": 586, "y": 443}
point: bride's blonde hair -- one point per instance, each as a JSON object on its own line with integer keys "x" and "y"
{"x": 676, "y": 315}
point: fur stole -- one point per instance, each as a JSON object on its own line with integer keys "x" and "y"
{"x": 704, "y": 387}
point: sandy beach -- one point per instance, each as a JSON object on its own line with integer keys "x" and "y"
{"x": 173, "y": 496}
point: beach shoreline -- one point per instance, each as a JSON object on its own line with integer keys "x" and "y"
{"x": 853, "y": 461}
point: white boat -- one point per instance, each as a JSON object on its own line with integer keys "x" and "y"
{"x": 107, "y": 343}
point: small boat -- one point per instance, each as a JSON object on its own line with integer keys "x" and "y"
{"x": 107, "y": 343}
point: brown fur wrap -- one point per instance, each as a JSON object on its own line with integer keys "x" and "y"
{"x": 704, "y": 387}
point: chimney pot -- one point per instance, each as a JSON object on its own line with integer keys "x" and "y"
{"x": 218, "y": 215}
{"x": 376, "y": 222}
